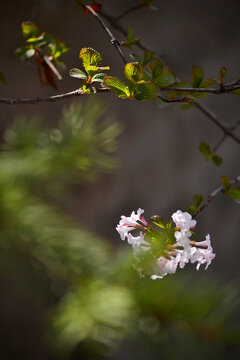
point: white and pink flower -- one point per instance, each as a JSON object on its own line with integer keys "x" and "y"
{"x": 179, "y": 253}
{"x": 130, "y": 223}
{"x": 183, "y": 220}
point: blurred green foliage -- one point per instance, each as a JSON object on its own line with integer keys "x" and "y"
{"x": 100, "y": 302}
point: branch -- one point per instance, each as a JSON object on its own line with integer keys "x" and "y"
{"x": 223, "y": 89}
{"x": 211, "y": 115}
{"x": 183, "y": 99}
{"x": 53, "y": 98}
{"x": 213, "y": 194}
{"x": 216, "y": 121}
{"x": 128, "y": 11}
{"x": 114, "y": 23}
{"x": 223, "y": 138}
{"x": 113, "y": 40}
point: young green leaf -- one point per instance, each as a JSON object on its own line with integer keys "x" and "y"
{"x": 134, "y": 71}
{"x": 156, "y": 68}
{"x": 186, "y": 106}
{"x": 2, "y": 78}
{"x": 205, "y": 150}
{"x": 159, "y": 221}
{"x": 226, "y": 183}
{"x": 41, "y": 41}
{"x": 217, "y": 160}
{"x": 77, "y": 73}
{"x": 29, "y": 29}
{"x": 222, "y": 73}
{"x": 90, "y": 57}
{"x": 198, "y": 201}
{"x": 147, "y": 57}
{"x": 99, "y": 77}
{"x": 208, "y": 82}
{"x": 237, "y": 92}
{"x": 117, "y": 86}
{"x": 166, "y": 78}
{"x": 57, "y": 48}
{"x": 136, "y": 58}
{"x": 130, "y": 39}
{"x": 235, "y": 194}
{"x": 24, "y": 53}
{"x": 144, "y": 91}
{"x": 197, "y": 76}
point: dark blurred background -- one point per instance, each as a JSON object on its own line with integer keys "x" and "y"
{"x": 160, "y": 168}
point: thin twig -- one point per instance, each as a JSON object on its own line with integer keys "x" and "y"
{"x": 53, "y": 98}
{"x": 216, "y": 121}
{"x": 183, "y": 99}
{"x": 115, "y": 24}
{"x": 223, "y": 89}
{"x": 204, "y": 109}
{"x": 213, "y": 194}
{"x": 223, "y": 138}
{"x": 113, "y": 40}
{"x": 128, "y": 11}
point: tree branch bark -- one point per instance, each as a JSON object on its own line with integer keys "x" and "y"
{"x": 213, "y": 194}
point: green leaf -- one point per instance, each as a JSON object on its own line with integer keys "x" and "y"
{"x": 29, "y": 29}
{"x": 144, "y": 91}
{"x": 99, "y": 77}
{"x": 156, "y": 68}
{"x": 147, "y": 57}
{"x": 222, "y": 73}
{"x": 234, "y": 194}
{"x": 186, "y": 106}
{"x": 198, "y": 201}
{"x": 191, "y": 210}
{"x": 205, "y": 150}
{"x": 24, "y": 53}
{"x": 92, "y": 70}
{"x": 90, "y": 57}
{"x": 2, "y": 78}
{"x": 117, "y": 86}
{"x": 130, "y": 40}
{"x": 58, "y": 48}
{"x": 217, "y": 160}
{"x": 41, "y": 41}
{"x": 237, "y": 92}
{"x": 198, "y": 95}
{"x": 159, "y": 221}
{"x": 136, "y": 58}
{"x": 208, "y": 82}
{"x": 134, "y": 71}
{"x": 166, "y": 78}
{"x": 77, "y": 73}
{"x": 226, "y": 183}
{"x": 197, "y": 76}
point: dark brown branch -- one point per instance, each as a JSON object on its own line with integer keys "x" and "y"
{"x": 53, "y": 98}
{"x": 128, "y": 11}
{"x": 115, "y": 24}
{"x": 223, "y": 138}
{"x": 183, "y": 99}
{"x": 213, "y": 194}
{"x": 223, "y": 89}
{"x": 216, "y": 121}
{"x": 112, "y": 38}
{"x": 212, "y": 116}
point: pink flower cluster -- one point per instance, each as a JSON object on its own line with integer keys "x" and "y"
{"x": 181, "y": 252}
